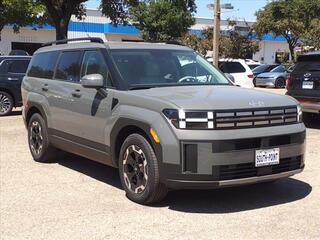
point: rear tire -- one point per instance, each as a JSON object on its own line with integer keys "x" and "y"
{"x": 38, "y": 140}
{"x": 6, "y": 103}
{"x": 280, "y": 83}
{"x": 139, "y": 171}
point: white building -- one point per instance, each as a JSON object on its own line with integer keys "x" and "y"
{"x": 96, "y": 25}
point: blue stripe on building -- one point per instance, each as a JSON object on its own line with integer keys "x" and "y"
{"x": 129, "y": 29}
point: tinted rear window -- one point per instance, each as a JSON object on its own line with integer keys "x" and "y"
{"x": 231, "y": 67}
{"x": 42, "y": 65}
{"x": 69, "y": 66}
{"x": 18, "y": 66}
{"x": 309, "y": 58}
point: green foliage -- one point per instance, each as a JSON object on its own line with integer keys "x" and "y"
{"x": 293, "y": 19}
{"x": 233, "y": 45}
{"x": 161, "y": 20}
{"x": 20, "y": 13}
{"x": 312, "y": 37}
{"x": 201, "y": 45}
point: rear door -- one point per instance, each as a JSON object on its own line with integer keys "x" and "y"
{"x": 12, "y": 73}
{"x": 306, "y": 78}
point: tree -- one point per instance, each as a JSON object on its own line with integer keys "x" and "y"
{"x": 60, "y": 12}
{"x": 292, "y": 19}
{"x": 161, "y": 20}
{"x": 19, "y": 13}
{"x": 199, "y": 44}
{"x": 312, "y": 37}
{"x": 232, "y": 44}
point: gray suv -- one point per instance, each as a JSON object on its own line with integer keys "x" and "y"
{"x": 161, "y": 114}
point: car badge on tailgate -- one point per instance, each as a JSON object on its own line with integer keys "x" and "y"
{"x": 306, "y": 75}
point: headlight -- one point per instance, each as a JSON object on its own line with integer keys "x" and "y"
{"x": 190, "y": 119}
{"x": 173, "y": 116}
{"x": 299, "y": 113}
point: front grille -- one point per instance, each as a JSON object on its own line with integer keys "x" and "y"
{"x": 243, "y": 118}
{"x": 247, "y": 170}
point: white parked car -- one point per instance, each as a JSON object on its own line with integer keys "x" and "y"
{"x": 239, "y": 69}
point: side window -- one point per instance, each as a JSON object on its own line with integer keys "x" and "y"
{"x": 42, "y": 65}
{"x": 235, "y": 67}
{"x": 93, "y": 63}
{"x": 223, "y": 67}
{"x": 18, "y": 66}
{"x": 69, "y": 66}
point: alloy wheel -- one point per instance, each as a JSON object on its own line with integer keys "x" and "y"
{"x": 135, "y": 169}
{"x": 5, "y": 104}
{"x": 36, "y": 138}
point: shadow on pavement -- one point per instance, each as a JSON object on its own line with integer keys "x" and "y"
{"x": 313, "y": 121}
{"x": 98, "y": 171}
{"x": 237, "y": 199}
{"x": 225, "y": 200}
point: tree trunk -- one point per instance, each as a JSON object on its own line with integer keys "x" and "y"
{"x": 291, "y": 48}
{"x": 62, "y": 29}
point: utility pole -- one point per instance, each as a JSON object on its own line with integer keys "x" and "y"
{"x": 216, "y": 32}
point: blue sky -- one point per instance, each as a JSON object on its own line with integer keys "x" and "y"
{"x": 242, "y": 8}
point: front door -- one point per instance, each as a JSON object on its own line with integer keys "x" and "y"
{"x": 81, "y": 114}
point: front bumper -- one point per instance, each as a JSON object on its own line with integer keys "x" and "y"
{"x": 230, "y": 162}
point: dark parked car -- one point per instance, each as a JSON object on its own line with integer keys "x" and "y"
{"x": 304, "y": 82}
{"x": 263, "y": 68}
{"x": 12, "y": 70}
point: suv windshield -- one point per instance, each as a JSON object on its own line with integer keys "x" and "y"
{"x": 156, "y": 68}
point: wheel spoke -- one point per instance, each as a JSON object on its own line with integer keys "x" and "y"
{"x": 135, "y": 169}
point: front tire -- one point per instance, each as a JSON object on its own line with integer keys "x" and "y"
{"x": 139, "y": 171}
{"x": 280, "y": 83}
{"x": 6, "y": 103}
{"x": 38, "y": 140}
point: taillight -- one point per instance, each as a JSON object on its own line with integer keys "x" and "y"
{"x": 288, "y": 82}
{"x": 250, "y": 76}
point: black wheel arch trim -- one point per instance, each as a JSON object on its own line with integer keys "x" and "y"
{"x": 126, "y": 122}
{"x": 39, "y": 107}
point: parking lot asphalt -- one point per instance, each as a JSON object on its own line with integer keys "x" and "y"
{"x": 75, "y": 198}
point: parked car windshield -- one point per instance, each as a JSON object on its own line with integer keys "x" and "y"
{"x": 156, "y": 68}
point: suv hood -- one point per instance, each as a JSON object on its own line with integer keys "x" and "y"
{"x": 215, "y": 97}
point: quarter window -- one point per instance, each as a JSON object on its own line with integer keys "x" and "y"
{"x": 231, "y": 67}
{"x": 42, "y": 65}
{"x": 69, "y": 66}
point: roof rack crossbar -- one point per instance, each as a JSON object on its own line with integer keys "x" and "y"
{"x": 91, "y": 39}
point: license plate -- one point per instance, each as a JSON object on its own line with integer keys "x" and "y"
{"x": 307, "y": 85}
{"x": 267, "y": 157}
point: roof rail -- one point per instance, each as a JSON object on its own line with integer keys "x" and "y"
{"x": 91, "y": 39}
{"x": 166, "y": 42}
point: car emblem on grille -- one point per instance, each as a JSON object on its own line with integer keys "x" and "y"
{"x": 256, "y": 103}
{"x": 307, "y": 75}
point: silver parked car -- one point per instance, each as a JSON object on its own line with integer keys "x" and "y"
{"x": 275, "y": 78}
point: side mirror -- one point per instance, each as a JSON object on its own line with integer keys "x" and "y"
{"x": 92, "y": 81}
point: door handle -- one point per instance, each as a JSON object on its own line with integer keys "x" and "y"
{"x": 13, "y": 79}
{"x": 45, "y": 87}
{"x": 76, "y": 93}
